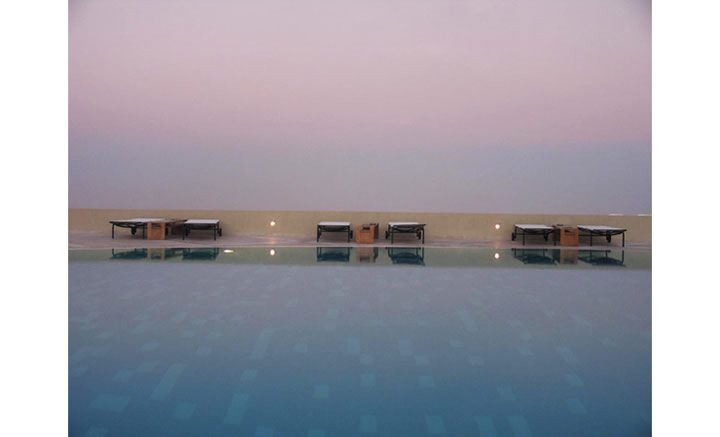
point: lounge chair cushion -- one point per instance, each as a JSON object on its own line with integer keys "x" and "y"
{"x": 334, "y": 224}
{"x": 595, "y": 228}
{"x": 202, "y": 222}
{"x": 394, "y": 224}
{"x": 138, "y": 220}
{"x": 524, "y": 226}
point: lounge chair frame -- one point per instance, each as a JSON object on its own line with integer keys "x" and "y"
{"x": 408, "y": 228}
{"x": 134, "y": 224}
{"x": 545, "y": 232}
{"x": 606, "y": 232}
{"x": 334, "y": 228}
{"x": 202, "y": 225}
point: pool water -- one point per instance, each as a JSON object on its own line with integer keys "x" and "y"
{"x": 356, "y": 341}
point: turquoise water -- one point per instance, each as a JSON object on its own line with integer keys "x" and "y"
{"x": 356, "y": 341}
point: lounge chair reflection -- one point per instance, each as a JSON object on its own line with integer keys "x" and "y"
{"x": 602, "y": 258}
{"x": 407, "y": 255}
{"x": 201, "y": 253}
{"x": 333, "y": 254}
{"x": 534, "y": 256}
{"x": 129, "y": 254}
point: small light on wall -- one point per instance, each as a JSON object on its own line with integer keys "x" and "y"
{"x": 497, "y": 255}
{"x": 272, "y": 252}
{"x": 228, "y": 251}
{"x": 272, "y": 223}
{"x": 497, "y": 225}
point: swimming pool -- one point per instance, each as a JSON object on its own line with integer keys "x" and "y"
{"x": 352, "y": 341}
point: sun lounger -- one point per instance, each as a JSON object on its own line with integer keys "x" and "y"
{"x": 603, "y": 231}
{"x": 202, "y": 225}
{"x": 405, "y": 228}
{"x": 334, "y": 227}
{"x": 134, "y": 224}
{"x": 523, "y": 229}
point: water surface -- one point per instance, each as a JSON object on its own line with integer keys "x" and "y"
{"x": 355, "y": 341}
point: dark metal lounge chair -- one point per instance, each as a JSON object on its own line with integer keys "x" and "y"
{"x": 523, "y": 229}
{"x": 202, "y": 225}
{"x": 134, "y": 223}
{"x": 334, "y": 227}
{"x": 405, "y": 228}
{"x": 601, "y": 231}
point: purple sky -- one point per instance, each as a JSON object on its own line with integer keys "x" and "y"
{"x": 464, "y": 106}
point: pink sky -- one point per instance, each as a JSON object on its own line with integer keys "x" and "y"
{"x": 329, "y": 77}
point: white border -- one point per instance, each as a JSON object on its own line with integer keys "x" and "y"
{"x": 686, "y": 78}
{"x": 686, "y": 119}
{"x": 33, "y": 134}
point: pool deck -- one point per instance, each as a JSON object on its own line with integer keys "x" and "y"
{"x": 124, "y": 240}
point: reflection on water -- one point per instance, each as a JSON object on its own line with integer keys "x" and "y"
{"x": 367, "y": 254}
{"x": 203, "y": 253}
{"x": 129, "y": 254}
{"x": 602, "y": 257}
{"x": 389, "y": 256}
{"x": 188, "y": 342}
{"x": 407, "y": 255}
{"x": 333, "y": 254}
{"x": 534, "y": 256}
{"x": 154, "y": 254}
{"x": 570, "y": 256}
{"x": 566, "y": 256}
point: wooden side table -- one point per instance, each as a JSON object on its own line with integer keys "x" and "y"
{"x": 366, "y": 233}
{"x": 567, "y": 235}
{"x": 156, "y": 230}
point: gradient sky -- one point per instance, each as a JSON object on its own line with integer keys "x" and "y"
{"x": 506, "y": 106}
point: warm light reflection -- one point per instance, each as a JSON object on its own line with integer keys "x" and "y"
{"x": 228, "y": 251}
{"x": 497, "y": 255}
{"x": 272, "y": 252}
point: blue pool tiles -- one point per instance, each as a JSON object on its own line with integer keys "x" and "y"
{"x": 506, "y": 352}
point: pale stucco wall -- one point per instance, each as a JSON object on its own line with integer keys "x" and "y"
{"x": 303, "y": 223}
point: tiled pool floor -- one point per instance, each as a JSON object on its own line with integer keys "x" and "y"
{"x": 163, "y": 348}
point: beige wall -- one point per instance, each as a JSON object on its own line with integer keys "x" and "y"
{"x": 303, "y": 223}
